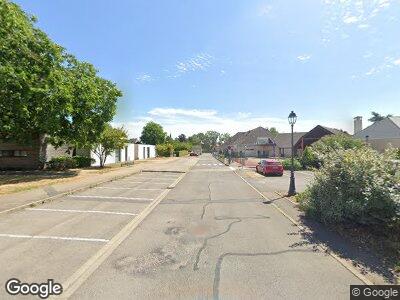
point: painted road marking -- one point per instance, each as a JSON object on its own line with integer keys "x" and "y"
{"x": 47, "y": 237}
{"x": 110, "y": 197}
{"x": 90, "y": 266}
{"x": 232, "y": 168}
{"x": 82, "y": 211}
{"x": 126, "y": 188}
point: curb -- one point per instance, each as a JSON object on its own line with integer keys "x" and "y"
{"x": 52, "y": 198}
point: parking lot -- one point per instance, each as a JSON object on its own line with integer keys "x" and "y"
{"x": 53, "y": 240}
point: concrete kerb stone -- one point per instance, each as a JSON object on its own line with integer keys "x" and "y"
{"x": 55, "y": 197}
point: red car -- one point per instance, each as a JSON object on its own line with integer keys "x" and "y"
{"x": 270, "y": 167}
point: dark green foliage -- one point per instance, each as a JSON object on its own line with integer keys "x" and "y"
{"x": 153, "y": 134}
{"x": 62, "y": 163}
{"x": 287, "y": 164}
{"x": 83, "y": 161}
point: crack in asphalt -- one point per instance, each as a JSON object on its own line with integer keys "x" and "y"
{"x": 217, "y": 272}
{"x": 221, "y": 218}
{"x": 208, "y": 202}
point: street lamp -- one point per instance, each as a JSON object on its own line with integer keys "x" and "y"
{"x": 292, "y": 187}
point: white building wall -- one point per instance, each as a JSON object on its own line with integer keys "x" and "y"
{"x": 127, "y": 154}
{"x": 145, "y": 151}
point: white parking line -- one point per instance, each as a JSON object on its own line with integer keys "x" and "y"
{"x": 110, "y": 197}
{"x": 82, "y": 211}
{"x": 145, "y": 182}
{"x": 126, "y": 188}
{"x": 46, "y": 237}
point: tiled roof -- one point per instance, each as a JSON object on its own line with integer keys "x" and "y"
{"x": 284, "y": 140}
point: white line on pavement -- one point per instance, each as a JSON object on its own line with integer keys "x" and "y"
{"x": 125, "y": 188}
{"x": 46, "y": 237}
{"x": 143, "y": 182}
{"x": 82, "y": 211}
{"x": 110, "y": 197}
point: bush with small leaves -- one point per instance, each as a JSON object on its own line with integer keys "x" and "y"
{"x": 354, "y": 185}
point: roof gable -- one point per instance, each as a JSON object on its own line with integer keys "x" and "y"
{"x": 385, "y": 129}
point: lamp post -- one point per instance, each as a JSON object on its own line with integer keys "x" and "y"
{"x": 292, "y": 118}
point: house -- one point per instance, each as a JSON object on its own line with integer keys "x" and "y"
{"x": 313, "y": 136}
{"x": 257, "y": 142}
{"x": 283, "y": 142}
{"x": 29, "y": 156}
{"x": 381, "y": 134}
{"x": 130, "y": 153}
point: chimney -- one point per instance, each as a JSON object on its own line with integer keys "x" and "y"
{"x": 357, "y": 124}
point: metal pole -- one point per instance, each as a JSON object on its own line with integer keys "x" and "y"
{"x": 292, "y": 186}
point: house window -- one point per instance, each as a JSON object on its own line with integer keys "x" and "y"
{"x": 13, "y": 153}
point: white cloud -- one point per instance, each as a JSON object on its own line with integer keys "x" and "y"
{"x": 198, "y": 62}
{"x": 350, "y": 19}
{"x": 304, "y": 57}
{"x": 144, "y": 78}
{"x": 190, "y": 121}
{"x": 178, "y": 112}
{"x": 397, "y": 62}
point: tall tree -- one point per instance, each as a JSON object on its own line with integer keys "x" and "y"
{"x": 110, "y": 139}
{"x": 45, "y": 92}
{"x": 223, "y": 137}
{"x": 377, "y": 117}
{"x": 153, "y": 134}
{"x": 182, "y": 138}
{"x": 274, "y": 132}
{"x": 210, "y": 140}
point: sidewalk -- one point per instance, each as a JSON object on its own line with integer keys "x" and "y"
{"x": 19, "y": 200}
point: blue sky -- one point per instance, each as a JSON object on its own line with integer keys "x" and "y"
{"x": 233, "y": 65}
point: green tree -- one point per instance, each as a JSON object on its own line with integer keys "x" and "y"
{"x": 197, "y": 139}
{"x": 274, "y": 132}
{"x": 377, "y": 117}
{"x": 210, "y": 140}
{"x": 182, "y": 138}
{"x": 223, "y": 137}
{"x": 110, "y": 139}
{"x": 46, "y": 94}
{"x": 153, "y": 134}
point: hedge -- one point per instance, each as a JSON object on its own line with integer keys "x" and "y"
{"x": 83, "y": 161}
{"x": 354, "y": 185}
{"x": 61, "y": 163}
{"x": 287, "y": 164}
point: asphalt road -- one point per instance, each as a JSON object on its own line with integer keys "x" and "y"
{"x": 210, "y": 237}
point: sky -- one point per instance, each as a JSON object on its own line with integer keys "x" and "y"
{"x": 233, "y": 65}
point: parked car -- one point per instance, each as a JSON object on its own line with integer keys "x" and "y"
{"x": 270, "y": 167}
{"x": 193, "y": 154}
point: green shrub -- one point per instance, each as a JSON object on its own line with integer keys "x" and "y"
{"x": 165, "y": 150}
{"x": 287, "y": 164}
{"x": 182, "y": 153}
{"x": 354, "y": 185}
{"x": 179, "y": 146}
{"x": 309, "y": 159}
{"x": 83, "y": 161}
{"x": 61, "y": 163}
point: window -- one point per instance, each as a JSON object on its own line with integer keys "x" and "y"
{"x": 13, "y": 153}
{"x": 20, "y": 153}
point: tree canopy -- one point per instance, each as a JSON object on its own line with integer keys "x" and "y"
{"x": 377, "y": 117}
{"x": 109, "y": 140}
{"x": 46, "y": 91}
{"x": 153, "y": 134}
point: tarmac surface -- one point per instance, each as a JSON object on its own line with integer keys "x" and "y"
{"x": 191, "y": 229}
